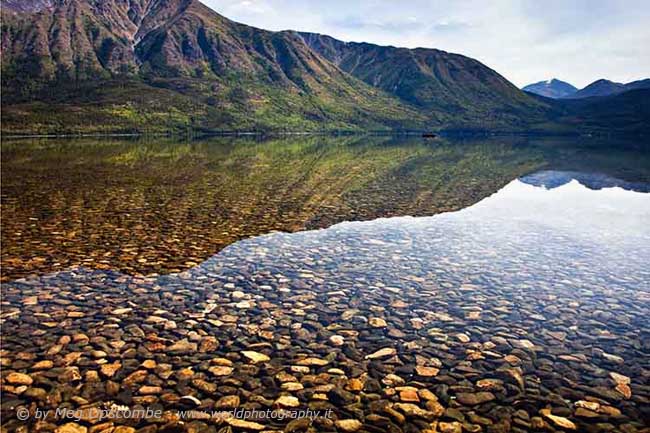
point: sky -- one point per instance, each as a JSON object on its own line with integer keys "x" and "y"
{"x": 578, "y": 41}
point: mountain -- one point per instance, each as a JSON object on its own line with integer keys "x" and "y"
{"x": 127, "y": 64}
{"x": 599, "y": 88}
{"x": 605, "y": 88}
{"x": 551, "y": 88}
{"x": 106, "y": 66}
{"x": 627, "y": 112}
{"x": 433, "y": 80}
{"x": 98, "y": 65}
{"x": 639, "y": 84}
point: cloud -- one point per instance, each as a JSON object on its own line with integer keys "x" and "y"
{"x": 408, "y": 25}
{"x": 524, "y": 40}
{"x": 450, "y": 26}
{"x": 247, "y": 7}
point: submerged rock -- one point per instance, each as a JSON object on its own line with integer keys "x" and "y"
{"x": 559, "y": 420}
{"x": 472, "y": 399}
{"x": 382, "y": 353}
{"x": 348, "y": 425}
{"x": 255, "y": 357}
{"x": 402, "y": 328}
{"x": 19, "y": 379}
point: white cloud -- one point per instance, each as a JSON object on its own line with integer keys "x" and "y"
{"x": 524, "y": 40}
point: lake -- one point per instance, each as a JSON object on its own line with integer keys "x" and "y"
{"x": 480, "y": 284}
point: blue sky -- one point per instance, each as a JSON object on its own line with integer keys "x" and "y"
{"x": 526, "y": 41}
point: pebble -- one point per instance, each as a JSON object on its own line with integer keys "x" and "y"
{"x": 43, "y": 365}
{"x": 473, "y": 399}
{"x": 246, "y": 425}
{"x": 348, "y": 425}
{"x": 619, "y": 378}
{"x": 195, "y": 401}
{"x": 413, "y": 410}
{"x": 450, "y": 427}
{"x": 19, "y": 379}
{"x": 255, "y": 357}
{"x": 71, "y": 427}
{"x": 313, "y": 362}
{"x": 183, "y": 347}
{"x": 109, "y": 370}
{"x": 219, "y": 370}
{"x": 228, "y": 402}
{"x": 150, "y": 390}
{"x": 424, "y": 371}
{"x": 558, "y": 420}
{"x": 382, "y": 353}
{"x": 410, "y": 395}
{"x": 287, "y": 401}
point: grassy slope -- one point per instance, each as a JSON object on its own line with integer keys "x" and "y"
{"x": 196, "y": 70}
{"x": 178, "y": 105}
{"x": 455, "y": 90}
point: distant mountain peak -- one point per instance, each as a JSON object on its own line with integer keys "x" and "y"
{"x": 552, "y": 88}
{"x": 605, "y": 81}
{"x": 600, "y": 87}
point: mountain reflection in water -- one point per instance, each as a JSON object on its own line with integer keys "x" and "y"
{"x": 555, "y": 178}
{"x": 160, "y": 205}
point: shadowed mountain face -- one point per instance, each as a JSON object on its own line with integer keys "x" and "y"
{"x": 624, "y": 112}
{"x": 210, "y": 71}
{"x": 600, "y": 88}
{"x": 551, "y": 89}
{"x": 557, "y": 89}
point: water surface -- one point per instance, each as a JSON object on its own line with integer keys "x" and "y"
{"x": 526, "y": 310}
{"x": 163, "y": 205}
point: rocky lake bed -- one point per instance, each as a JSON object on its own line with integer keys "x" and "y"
{"x": 511, "y": 315}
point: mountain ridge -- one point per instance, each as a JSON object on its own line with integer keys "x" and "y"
{"x": 425, "y": 77}
{"x": 603, "y": 87}
{"x": 557, "y": 89}
{"x": 194, "y": 59}
{"x": 100, "y": 66}
{"x": 279, "y": 78}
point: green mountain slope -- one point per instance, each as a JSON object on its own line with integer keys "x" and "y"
{"x": 175, "y": 62}
{"x": 454, "y": 89}
{"x": 99, "y": 66}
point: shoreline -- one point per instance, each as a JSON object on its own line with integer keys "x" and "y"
{"x": 414, "y": 133}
